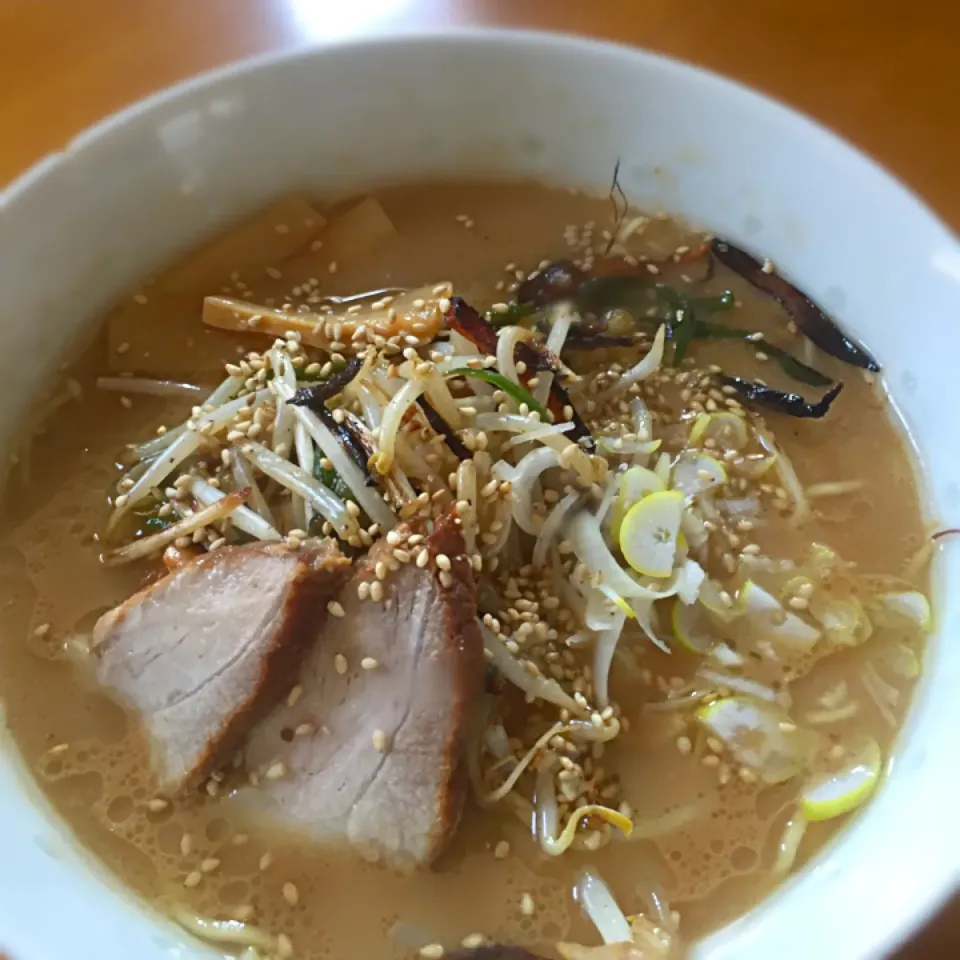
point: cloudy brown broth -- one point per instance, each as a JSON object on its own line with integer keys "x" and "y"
{"x": 711, "y": 846}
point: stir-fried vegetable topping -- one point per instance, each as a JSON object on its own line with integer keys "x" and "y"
{"x": 467, "y": 321}
{"x": 521, "y": 397}
{"x": 806, "y": 314}
{"x": 639, "y": 299}
{"x": 316, "y": 397}
{"x": 791, "y": 404}
{"x": 456, "y": 445}
{"x": 560, "y": 280}
{"x": 789, "y": 364}
{"x": 760, "y": 737}
{"x": 514, "y": 314}
{"x": 611, "y": 511}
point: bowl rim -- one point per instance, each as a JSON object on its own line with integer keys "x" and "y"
{"x": 212, "y": 76}
{"x": 923, "y": 907}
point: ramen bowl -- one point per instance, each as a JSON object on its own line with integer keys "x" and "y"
{"x": 122, "y": 198}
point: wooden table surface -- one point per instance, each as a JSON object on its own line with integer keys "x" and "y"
{"x": 878, "y": 72}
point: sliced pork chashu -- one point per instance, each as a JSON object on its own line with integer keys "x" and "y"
{"x": 205, "y": 651}
{"x": 370, "y": 755}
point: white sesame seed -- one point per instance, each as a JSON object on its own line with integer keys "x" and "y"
{"x": 157, "y": 804}
{"x": 266, "y": 860}
{"x": 340, "y": 664}
{"x": 432, "y": 951}
{"x": 473, "y": 940}
{"x": 42, "y": 630}
{"x": 284, "y": 946}
{"x": 193, "y": 879}
{"x": 502, "y": 850}
{"x": 291, "y": 894}
{"x": 369, "y": 663}
{"x": 336, "y": 609}
{"x": 276, "y": 770}
{"x": 209, "y": 865}
{"x": 294, "y": 695}
{"x": 380, "y": 741}
{"x": 527, "y": 905}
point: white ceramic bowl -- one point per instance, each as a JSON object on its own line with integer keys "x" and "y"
{"x": 121, "y": 198}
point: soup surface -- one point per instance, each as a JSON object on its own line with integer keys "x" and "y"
{"x": 793, "y": 660}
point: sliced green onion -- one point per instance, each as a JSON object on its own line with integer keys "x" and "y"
{"x": 514, "y": 316}
{"x": 724, "y": 301}
{"x": 511, "y": 389}
{"x": 834, "y": 794}
{"x": 154, "y": 524}
{"x": 760, "y": 736}
{"x": 707, "y": 330}
{"x": 903, "y": 609}
{"x": 684, "y": 331}
{"x": 795, "y": 368}
{"x": 330, "y": 478}
{"x": 788, "y": 363}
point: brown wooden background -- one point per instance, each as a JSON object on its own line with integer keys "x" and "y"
{"x": 882, "y": 73}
